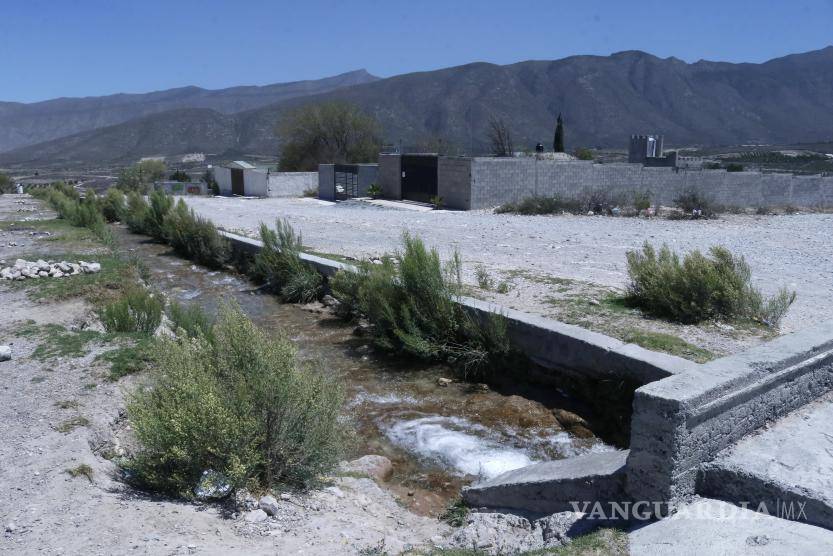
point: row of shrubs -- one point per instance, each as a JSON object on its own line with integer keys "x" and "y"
{"x": 223, "y": 396}
{"x": 690, "y": 204}
{"x": 596, "y": 201}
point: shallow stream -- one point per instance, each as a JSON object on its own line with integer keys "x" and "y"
{"x": 438, "y": 437}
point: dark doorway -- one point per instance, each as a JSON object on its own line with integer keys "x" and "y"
{"x": 419, "y": 177}
{"x": 347, "y": 181}
{"x": 237, "y": 182}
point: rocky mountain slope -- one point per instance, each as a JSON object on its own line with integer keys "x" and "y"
{"x": 604, "y": 99}
{"x": 27, "y": 124}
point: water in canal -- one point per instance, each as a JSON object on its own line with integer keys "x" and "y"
{"x": 438, "y": 437}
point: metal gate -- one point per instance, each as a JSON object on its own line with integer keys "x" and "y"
{"x": 237, "y": 187}
{"x": 347, "y": 181}
{"x": 419, "y": 177}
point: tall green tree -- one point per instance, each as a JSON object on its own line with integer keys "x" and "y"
{"x": 328, "y": 132}
{"x": 558, "y": 140}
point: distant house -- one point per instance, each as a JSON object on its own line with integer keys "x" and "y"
{"x": 241, "y": 178}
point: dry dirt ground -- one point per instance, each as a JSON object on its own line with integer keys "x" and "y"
{"x": 59, "y": 413}
{"x": 559, "y": 266}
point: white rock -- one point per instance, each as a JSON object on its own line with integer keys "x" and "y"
{"x": 43, "y": 273}
{"x": 269, "y": 505}
{"x": 256, "y": 516}
{"x": 5, "y": 353}
{"x": 92, "y": 268}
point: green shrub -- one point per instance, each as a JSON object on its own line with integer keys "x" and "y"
{"x": 137, "y": 212}
{"x": 243, "y": 407}
{"x": 112, "y": 206}
{"x": 195, "y": 237}
{"x": 279, "y": 265}
{"x": 191, "y": 320}
{"x": 583, "y": 153}
{"x": 696, "y": 205}
{"x": 410, "y": 300}
{"x": 541, "y": 205}
{"x": 160, "y": 204}
{"x": 699, "y": 287}
{"x": 136, "y": 311}
{"x": 642, "y": 200}
{"x": 374, "y": 190}
{"x": 484, "y": 281}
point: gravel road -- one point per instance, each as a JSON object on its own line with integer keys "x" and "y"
{"x": 792, "y": 250}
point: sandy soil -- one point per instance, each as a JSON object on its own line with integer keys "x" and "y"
{"x": 529, "y": 251}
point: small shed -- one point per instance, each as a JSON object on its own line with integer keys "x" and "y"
{"x": 241, "y": 178}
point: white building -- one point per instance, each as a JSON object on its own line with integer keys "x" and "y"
{"x": 241, "y": 178}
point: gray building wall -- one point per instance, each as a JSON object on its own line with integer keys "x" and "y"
{"x": 495, "y": 181}
{"x": 326, "y": 182}
{"x": 368, "y": 175}
{"x": 290, "y": 184}
{"x": 454, "y": 182}
{"x": 390, "y": 175}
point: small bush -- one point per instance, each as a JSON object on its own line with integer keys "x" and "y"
{"x": 484, "y": 281}
{"x": 279, "y": 265}
{"x": 190, "y": 319}
{"x": 641, "y": 200}
{"x": 112, "y": 206}
{"x": 437, "y": 201}
{"x": 374, "y": 190}
{"x": 699, "y": 287}
{"x": 160, "y": 205}
{"x": 82, "y": 470}
{"x": 410, "y": 300}
{"x": 541, "y": 205}
{"x": 137, "y": 213}
{"x": 136, "y": 311}
{"x": 583, "y": 153}
{"x": 194, "y": 237}
{"x": 696, "y": 205}
{"x": 243, "y": 407}
{"x": 734, "y": 167}
{"x": 311, "y": 192}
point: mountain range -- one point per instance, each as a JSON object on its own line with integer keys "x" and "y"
{"x": 604, "y": 99}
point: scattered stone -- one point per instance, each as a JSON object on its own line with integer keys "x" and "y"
{"x": 442, "y": 381}
{"x": 329, "y": 301}
{"x": 11, "y": 527}
{"x": 269, "y": 505}
{"x": 23, "y": 269}
{"x": 256, "y": 516}
{"x": 5, "y": 353}
{"x": 594, "y": 301}
{"x": 377, "y": 467}
{"x": 212, "y": 485}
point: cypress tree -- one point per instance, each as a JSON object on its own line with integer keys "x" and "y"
{"x": 558, "y": 140}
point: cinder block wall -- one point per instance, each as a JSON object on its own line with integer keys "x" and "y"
{"x": 368, "y": 175}
{"x": 454, "y": 182}
{"x": 495, "y": 181}
{"x": 290, "y": 184}
{"x": 390, "y": 175}
{"x": 326, "y": 182}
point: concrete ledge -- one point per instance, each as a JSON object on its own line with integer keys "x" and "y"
{"x": 782, "y": 466}
{"x": 682, "y": 422}
{"x": 550, "y": 487}
{"x": 549, "y": 343}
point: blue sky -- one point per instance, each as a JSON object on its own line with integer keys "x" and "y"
{"x": 93, "y": 47}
